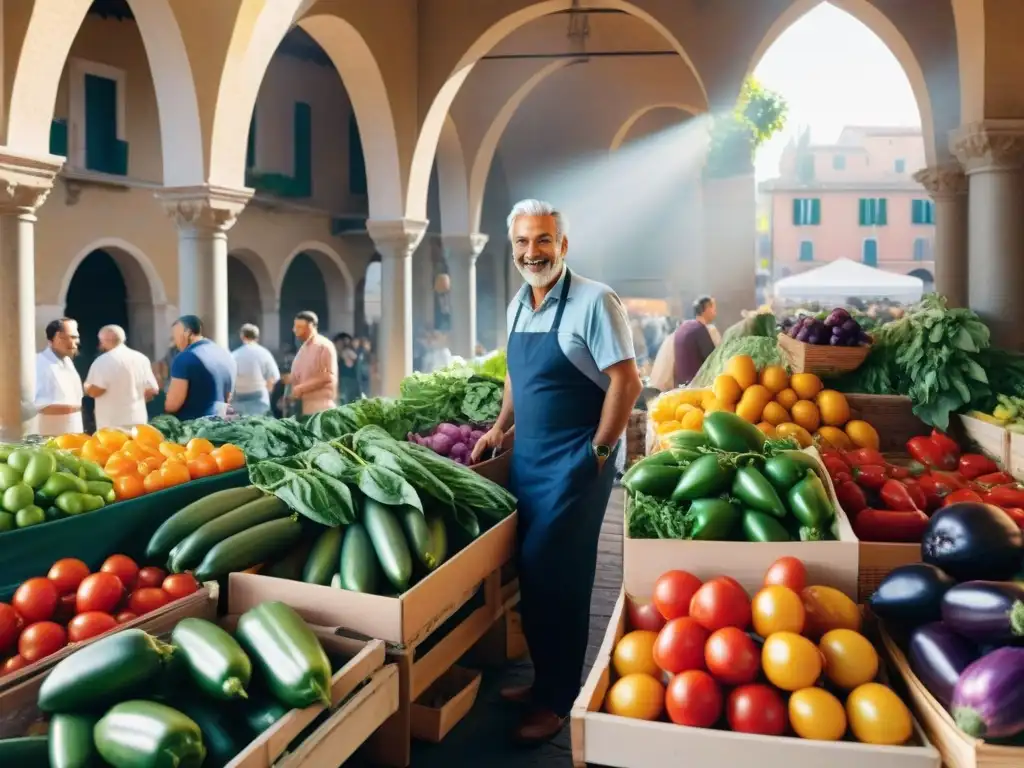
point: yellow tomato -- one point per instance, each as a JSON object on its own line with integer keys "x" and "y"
{"x": 805, "y": 413}
{"x": 768, "y": 429}
{"x": 834, "y": 437}
{"x": 634, "y": 654}
{"x": 787, "y": 398}
{"x": 753, "y": 402}
{"x": 197, "y": 446}
{"x": 775, "y": 414}
{"x": 850, "y": 658}
{"x": 742, "y": 368}
{"x": 727, "y": 389}
{"x": 835, "y": 411}
{"x": 693, "y": 420}
{"x": 790, "y": 662}
{"x": 777, "y": 609}
{"x": 816, "y": 714}
{"x": 775, "y": 378}
{"x": 798, "y": 433}
{"x": 806, "y": 385}
{"x": 862, "y": 434}
{"x": 111, "y": 439}
{"x": 640, "y": 697}
{"x": 878, "y": 716}
{"x": 827, "y": 609}
{"x": 147, "y": 435}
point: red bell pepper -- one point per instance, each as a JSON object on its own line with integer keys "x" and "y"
{"x": 864, "y": 456}
{"x": 962, "y": 495}
{"x": 890, "y": 525}
{"x": 937, "y": 488}
{"x": 870, "y": 477}
{"x": 946, "y": 444}
{"x": 841, "y": 477}
{"x": 896, "y": 496}
{"x": 897, "y": 472}
{"x": 827, "y": 452}
{"x": 851, "y": 498}
{"x": 931, "y": 454}
{"x": 996, "y": 479}
{"x": 1016, "y": 514}
{"x": 835, "y": 466}
{"x": 974, "y": 465}
{"x": 953, "y": 479}
{"x": 1005, "y": 496}
{"x": 917, "y": 495}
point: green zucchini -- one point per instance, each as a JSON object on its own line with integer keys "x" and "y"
{"x": 388, "y": 542}
{"x": 290, "y": 566}
{"x": 25, "y": 752}
{"x": 191, "y": 550}
{"x": 257, "y": 545}
{"x": 71, "y": 744}
{"x": 260, "y": 712}
{"x": 358, "y": 568}
{"x": 287, "y": 653}
{"x": 104, "y": 672}
{"x": 186, "y": 520}
{"x": 147, "y": 734}
{"x": 323, "y": 558}
{"x": 418, "y": 534}
{"x": 216, "y": 661}
{"x": 438, "y": 537}
{"x": 222, "y": 741}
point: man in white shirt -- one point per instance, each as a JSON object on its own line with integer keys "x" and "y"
{"x": 121, "y": 381}
{"x": 58, "y": 397}
{"x": 257, "y": 374}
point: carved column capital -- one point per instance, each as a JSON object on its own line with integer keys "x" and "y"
{"x": 396, "y": 238}
{"x": 205, "y": 207}
{"x": 467, "y": 246}
{"x": 943, "y": 182}
{"x": 990, "y": 145}
{"x": 25, "y": 182}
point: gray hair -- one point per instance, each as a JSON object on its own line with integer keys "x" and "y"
{"x": 539, "y": 208}
{"x": 116, "y": 331}
{"x": 250, "y": 332}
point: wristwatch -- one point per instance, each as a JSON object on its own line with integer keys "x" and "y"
{"x": 602, "y": 451}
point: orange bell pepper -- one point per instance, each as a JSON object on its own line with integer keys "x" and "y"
{"x": 147, "y": 435}
{"x": 229, "y": 457}
{"x": 203, "y": 466}
{"x": 128, "y": 487}
{"x": 93, "y": 450}
{"x": 171, "y": 450}
{"x": 198, "y": 446}
{"x": 111, "y": 439}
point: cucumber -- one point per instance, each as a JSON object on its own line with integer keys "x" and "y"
{"x": 358, "y": 567}
{"x": 257, "y": 545}
{"x": 186, "y": 520}
{"x": 71, "y": 744}
{"x": 438, "y": 538}
{"x": 418, "y": 534}
{"x": 191, "y": 550}
{"x": 104, "y": 672}
{"x": 388, "y": 542}
{"x": 290, "y": 566}
{"x": 147, "y": 734}
{"x": 25, "y": 752}
{"x": 323, "y": 559}
{"x": 216, "y": 661}
{"x": 215, "y": 721}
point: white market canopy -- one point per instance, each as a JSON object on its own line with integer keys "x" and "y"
{"x": 842, "y": 279}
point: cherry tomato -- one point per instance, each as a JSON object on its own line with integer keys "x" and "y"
{"x": 645, "y": 616}
{"x": 817, "y": 714}
{"x": 732, "y": 657}
{"x": 10, "y": 627}
{"x": 89, "y": 624}
{"x": 756, "y": 708}
{"x": 777, "y": 609}
{"x": 36, "y": 599}
{"x": 638, "y": 696}
{"x": 99, "y": 592}
{"x": 67, "y": 574}
{"x": 66, "y": 608}
{"x": 878, "y": 716}
{"x": 693, "y": 698}
{"x": 787, "y": 572}
{"x": 151, "y": 577}
{"x": 179, "y": 585}
{"x": 125, "y": 616}
{"x": 719, "y": 603}
{"x": 634, "y": 654}
{"x": 124, "y": 568}
{"x": 850, "y": 658}
{"x": 826, "y": 609}
{"x": 147, "y": 599}
{"x": 13, "y": 664}
{"x": 680, "y": 645}
{"x": 673, "y": 593}
{"x": 791, "y": 662}
{"x": 41, "y": 639}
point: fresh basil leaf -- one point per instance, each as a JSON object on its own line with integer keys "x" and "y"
{"x": 389, "y": 488}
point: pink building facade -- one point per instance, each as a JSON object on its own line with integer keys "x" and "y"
{"x": 855, "y": 199}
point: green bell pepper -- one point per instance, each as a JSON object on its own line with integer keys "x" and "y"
{"x": 706, "y": 476}
{"x": 754, "y": 490}
{"x": 810, "y": 503}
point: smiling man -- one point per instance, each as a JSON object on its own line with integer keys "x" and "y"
{"x": 571, "y": 384}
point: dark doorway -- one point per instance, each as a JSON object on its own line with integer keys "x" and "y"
{"x": 244, "y": 304}
{"x": 304, "y": 288}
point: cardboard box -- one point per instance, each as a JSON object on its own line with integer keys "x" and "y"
{"x": 618, "y": 742}
{"x": 406, "y": 620}
{"x": 828, "y": 562}
{"x": 459, "y": 688}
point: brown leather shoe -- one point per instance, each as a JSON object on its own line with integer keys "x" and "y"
{"x": 538, "y": 726}
{"x": 517, "y": 694}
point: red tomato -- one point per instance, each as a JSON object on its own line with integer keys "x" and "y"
{"x": 99, "y": 592}
{"x": 66, "y": 608}
{"x": 12, "y": 664}
{"x": 644, "y": 616}
{"x": 67, "y": 574}
{"x": 732, "y": 656}
{"x": 36, "y": 599}
{"x": 151, "y": 577}
{"x": 147, "y": 599}
{"x": 673, "y": 592}
{"x": 680, "y": 646}
{"x": 721, "y": 602}
{"x": 10, "y": 627}
{"x": 89, "y": 624}
{"x": 123, "y": 567}
{"x": 756, "y": 709}
{"x": 693, "y": 698}
{"x": 787, "y": 572}
{"x": 125, "y": 616}
{"x": 41, "y": 639}
{"x": 180, "y": 585}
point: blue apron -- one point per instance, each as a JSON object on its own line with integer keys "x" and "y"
{"x": 562, "y": 501}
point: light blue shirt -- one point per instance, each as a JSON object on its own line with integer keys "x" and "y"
{"x": 256, "y": 367}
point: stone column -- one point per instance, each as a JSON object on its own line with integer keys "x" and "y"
{"x": 992, "y": 154}
{"x": 729, "y": 246}
{"x": 395, "y": 240}
{"x": 947, "y": 186}
{"x": 203, "y": 215}
{"x": 25, "y": 183}
{"x": 461, "y": 252}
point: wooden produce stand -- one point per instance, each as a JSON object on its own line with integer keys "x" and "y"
{"x": 991, "y": 439}
{"x": 1016, "y": 467}
{"x": 619, "y": 742}
{"x": 404, "y": 622}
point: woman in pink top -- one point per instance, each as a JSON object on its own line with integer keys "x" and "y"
{"x": 314, "y": 379}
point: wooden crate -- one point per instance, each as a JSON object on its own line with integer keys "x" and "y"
{"x": 991, "y": 439}
{"x": 958, "y": 750}
{"x": 459, "y": 687}
{"x": 892, "y": 416}
{"x": 618, "y": 742}
{"x": 821, "y": 360}
{"x": 1016, "y": 466}
{"x": 877, "y": 559}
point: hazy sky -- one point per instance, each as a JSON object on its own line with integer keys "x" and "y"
{"x": 834, "y": 72}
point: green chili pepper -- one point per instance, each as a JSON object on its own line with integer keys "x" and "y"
{"x": 704, "y": 477}
{"x": 652, "y": 479}
{"x": 75, "y": 503}
{"x": 810, "y": 503}
{"x": 712, "y": 519}
{"x": 60, "y": 482}
{"x": 754, "y": 490}
{"x": 688, "y": 438}
{"x": 761, "y": 528}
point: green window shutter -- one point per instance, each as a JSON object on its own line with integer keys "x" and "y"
{"x": 796, "y": 212}
{"x": 930, "y": 212}
{"x": 816, "y": 211}
{"x": 250, "y": 147}
{"x": 915, "y": 211}
{"x": 303, "y": 173}
{"x": 863, "y": 212}
{"x": 59, "y": 137}
{"x": 101, "y": 150}
{"x": 356, "y": 161}
{"x": 870, "y": 256}
{"x": 806, "y": 251}
{"x": 881, "y": 218}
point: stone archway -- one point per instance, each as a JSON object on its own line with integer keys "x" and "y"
{"x": 452, "y": 181}
{"x": 251, "y": 298}
{"x": 926, "y": 277}
{"x": 623, "y": 133}
{"x": 316, "y": 277}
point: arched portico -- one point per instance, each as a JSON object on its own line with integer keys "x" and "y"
{"x": 452, "y": 180}
{"x": 251, "y": 297}
{"x": 338, "y": 282}
{"x": 623, "y": 133}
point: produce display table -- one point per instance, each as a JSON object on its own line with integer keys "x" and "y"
{"x": 124, "y": 527}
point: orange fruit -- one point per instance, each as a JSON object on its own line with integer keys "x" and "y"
{"x": 775, "y": 378}
{"x": 805, "y": 413}
{"x": 806, "y": 385}
{"x": 834, "y": 409}
{"x": 862, "y": 434}
{"x": 775, "y": 414}
{"x": 742, "y": 368}
{"x": 787, "y": 398}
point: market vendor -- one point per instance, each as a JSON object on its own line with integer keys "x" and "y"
{"x": 571, "y": 384}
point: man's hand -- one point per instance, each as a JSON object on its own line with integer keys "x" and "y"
{"x": 492, "y": 438}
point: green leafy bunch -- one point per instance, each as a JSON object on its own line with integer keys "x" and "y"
{"x": 760, "y": 113}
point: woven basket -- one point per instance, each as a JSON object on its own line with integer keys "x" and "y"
{"x": 892, "y": 416}
{"x": 819, "y": 359}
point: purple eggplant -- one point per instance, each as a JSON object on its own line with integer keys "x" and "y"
{"x": 938, "y": 655}
{"x": 911, "y": 594}
{"x": 988, "y": 700}
{"x": 973, "y": 541}
{"x": 985, "y": 611}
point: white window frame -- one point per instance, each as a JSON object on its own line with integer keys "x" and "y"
{"x": 77, "y": 70}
